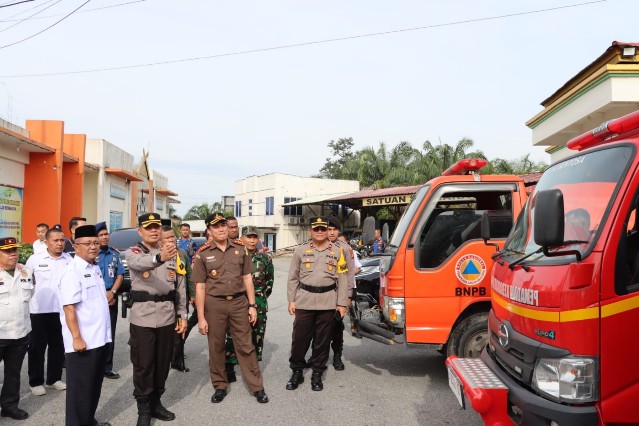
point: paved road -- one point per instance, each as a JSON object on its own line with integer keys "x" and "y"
{"x": 381, "y": 385}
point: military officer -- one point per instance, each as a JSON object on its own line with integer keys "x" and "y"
{"x": 16, "y": 289}
{"x": 317, "y": 294}
{"x": 263, "y": 275}
{"x": 225, "y": 296}
{"x": 345, "y": 264}
{"x": 156, "y": 315}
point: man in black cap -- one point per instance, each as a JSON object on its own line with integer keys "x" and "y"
{"x": 317, "y": 295}
{"x": 224, "y": 295}
{"x": 155, "y": 318}
{"x": 86, "y": 328}
{"x": 16, "y": 288}
{"x": 112, "y": 270}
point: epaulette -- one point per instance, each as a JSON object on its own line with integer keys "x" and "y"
{"x": 135, "y": 250}
{"x": 203, "y": 247}
{"x": 238, "y": 242}
{"x": 144, "y": 248}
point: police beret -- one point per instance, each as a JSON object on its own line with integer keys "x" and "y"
{"x": 100, "y": 226}
{"x": 85, "y": 231}
{"x": 318, "y": 221}
{"x": 214, "y": 218}
{"x": 249, "y": 230}
{"x": 8, "y": 243}
{"x": 148, "y": 219}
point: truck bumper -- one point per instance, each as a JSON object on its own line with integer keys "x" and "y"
{"x": 506, "y": 401}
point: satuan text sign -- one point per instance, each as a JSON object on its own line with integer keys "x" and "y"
{"x": 388, "y": 200}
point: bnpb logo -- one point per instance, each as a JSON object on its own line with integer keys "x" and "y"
{"x": 470, "y": 269}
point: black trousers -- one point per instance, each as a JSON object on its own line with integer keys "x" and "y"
{"x": 337, "y": 343}
{"x": 12, "y": 352}
{"x": 318, "y": 327}
{"x": 113, "y": 313}
{"x": 151, "y": 353}
{"x": 178, "y": 348}
{"x": 85, "y": 372}
{"x": 46, "y": 330}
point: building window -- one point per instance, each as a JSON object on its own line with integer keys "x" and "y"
{"x": 270, "y": 206}
{"x": 238, "y": 209}
{"x": 115, "y": 220}
{"x": 250, "y": 207}
{"x": 292, "y": 210}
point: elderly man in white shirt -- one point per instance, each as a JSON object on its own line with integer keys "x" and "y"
{"x": 47, "y": 267}
{"x": 16, "y": 288}
{"x": 86, "y": 328}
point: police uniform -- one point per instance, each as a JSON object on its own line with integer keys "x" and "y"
{"x": 111, "y": 267}
{"x": 226, "y": 303}
{"x": 44, "y": 310}
{"x": 316, "y": 288}
{"x": 16, "y": 289}
{"x": 154, "y": 285}
{"x": 82, "y": 287}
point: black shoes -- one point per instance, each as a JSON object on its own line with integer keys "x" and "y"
{"x": 316, "y": 382}
{"x": 111, "y": 375}
{"x": 158, "y": 410}
{"x": 261, "y": 396}
{"x": 179, "y": 366}
{"x": 218, "y": 396}
{"x": 144, "y": 411}
{"x": 337, "y": 362}
{"x": 14, "y": 413}
{"x": 295, "y": 380}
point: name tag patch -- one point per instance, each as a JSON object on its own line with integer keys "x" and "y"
{"x": 87, "y": 275}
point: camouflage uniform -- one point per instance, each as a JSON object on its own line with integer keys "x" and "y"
{"x": 263, "y": 275}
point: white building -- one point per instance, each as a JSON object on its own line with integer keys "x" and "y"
{"x": 259, "y": 202}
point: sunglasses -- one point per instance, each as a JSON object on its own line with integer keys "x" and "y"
{"x": 320, "y": 229}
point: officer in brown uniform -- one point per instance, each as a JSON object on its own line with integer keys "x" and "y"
{"x": 317, "y": 294}
{"x": 157, "y": 296}
{"x": 225, "y": 297}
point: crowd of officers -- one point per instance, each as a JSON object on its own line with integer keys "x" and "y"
{"x": 64, "y": 302}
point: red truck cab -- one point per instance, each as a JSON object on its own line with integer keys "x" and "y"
{"x": 564, "y": 322}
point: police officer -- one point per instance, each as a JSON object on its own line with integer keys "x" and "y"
{"x": 346, "y": 264}
{"x": 112, "y": 270}
{"x": 16, "y": 289}
{"x": 317, "y": 294}
{"x": 154, "y": 284}
{"x": 86, "y": 328}
{"x": 224, "y": 296}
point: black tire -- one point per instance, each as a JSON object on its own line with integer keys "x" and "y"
{"x": 469, "y": 337}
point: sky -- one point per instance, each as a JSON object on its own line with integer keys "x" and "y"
{"x": 263, "y": 86}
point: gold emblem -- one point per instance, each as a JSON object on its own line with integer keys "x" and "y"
{"x": 24, "y": 273}
{"x": 151, "y": 217}
{"x": 309, "y": 251}
{"x": 308, "y": 266}
{"x": 330, "y": 268}
{"x": 332, "y": 252}
{"x": 213, "y": 273}
{"x": 229, "y": 297}
{"x": 146, "y": 274}
{"x": 171, "y": 274}
{"x": 237, "y": 252}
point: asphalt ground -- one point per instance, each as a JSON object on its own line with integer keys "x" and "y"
{"x": 381, "y": 385}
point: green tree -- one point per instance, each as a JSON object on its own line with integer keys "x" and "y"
{"x": 517, "y": 166}
{"x": 341, "y": 154}
{"x": 201, "y": 211}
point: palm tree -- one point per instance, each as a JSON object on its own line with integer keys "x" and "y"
{"x": 201, "y": 211}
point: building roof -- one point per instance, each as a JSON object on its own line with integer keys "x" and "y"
{"x": 315, "y": 199}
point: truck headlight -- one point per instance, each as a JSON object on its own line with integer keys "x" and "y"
{"x": 571, "y": 379}
{"x": 394, "y": 310}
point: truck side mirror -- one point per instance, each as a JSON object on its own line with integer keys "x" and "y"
{"x": 385, "y": 232}
{"x": 485, "y": 230}
{"x": 368, "y": 231}
{"x": 548, "y": 218}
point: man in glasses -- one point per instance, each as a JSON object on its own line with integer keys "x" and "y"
{"x": 153, "y": 316}
{"x": 16, "y": 288}
{"x": 44, "y": 309}
{"x": 317, "y": 296}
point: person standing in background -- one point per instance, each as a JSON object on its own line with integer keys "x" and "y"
{"x": 75, "y": 222}
{"x": 39, "y": 245}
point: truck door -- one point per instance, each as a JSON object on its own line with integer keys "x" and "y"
{"x": 447, "y": 263}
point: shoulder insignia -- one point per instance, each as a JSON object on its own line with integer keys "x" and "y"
{"x": 136, "y": 250}
{"x": 238, "y": 242}
{"x": 308, "y": 251}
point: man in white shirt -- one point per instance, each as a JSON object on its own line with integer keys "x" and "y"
{"x": 16, "y": 288}
{"x": 86, "y": 328}
{"x": 44, "y": 309}
{"x": 39, "y": 245}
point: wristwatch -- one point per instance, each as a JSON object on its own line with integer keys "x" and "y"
{"x": 253, "y": 305}
{"x": 114, "y": 291}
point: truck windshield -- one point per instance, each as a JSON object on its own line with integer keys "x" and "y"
{"x": 587, "y": 182}
{"x": 409, "y": 213}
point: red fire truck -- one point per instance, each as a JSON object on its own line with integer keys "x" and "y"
{"x": 564, "y": 323}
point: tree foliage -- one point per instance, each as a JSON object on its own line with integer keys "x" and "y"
{"x": 201, "y": 211}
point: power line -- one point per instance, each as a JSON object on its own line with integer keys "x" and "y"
{"x": 303, "y": 44}
{"x": 82, "y": 11}
{"x": 49, "y": 27}
{"x": 29, "y": 17}
{"x": 16, "y": 3}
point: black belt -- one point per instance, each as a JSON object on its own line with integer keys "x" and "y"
{"x": 232, "y": 296}
{"x": 145, "y": 296}
{"x": 318, "y": 289}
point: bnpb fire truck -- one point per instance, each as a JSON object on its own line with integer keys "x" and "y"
{"x": 564, "y": 323}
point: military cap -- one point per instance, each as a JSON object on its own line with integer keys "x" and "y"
{"x": 214, "y": 218}
{"x": 148, "y": 219}
{"x": 318, "y": 221}
{"x": 85, "y": 231}
{"x": 249, "y": 230}
{"x": 166, "y": 222}
{"x": 8, "y": 243}
{"x": 100, "y": 226}
{"x": 334, "y": 222}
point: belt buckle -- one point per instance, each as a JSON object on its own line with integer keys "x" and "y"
{"x": 229, "y": 297}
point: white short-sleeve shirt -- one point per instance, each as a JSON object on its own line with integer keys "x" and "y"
{"x": 47, "y": 271}
{"x": 15, "y": 293}
{"x": 39, "y": 246}
{"x": 82, "y": 285}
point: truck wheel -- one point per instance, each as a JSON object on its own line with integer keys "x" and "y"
{"x": 469, "y": 337}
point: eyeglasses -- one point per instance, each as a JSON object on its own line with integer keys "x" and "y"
{"x": 320, "y": 229}
{"x": 91, "y": 244}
